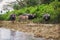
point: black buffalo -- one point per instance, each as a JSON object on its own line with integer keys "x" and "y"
{"x": 46, "y": 17}
{"x": 31, "y": 16}
{"x": 13, "y": 17}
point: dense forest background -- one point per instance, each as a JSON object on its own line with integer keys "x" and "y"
{"x": 38, "y": 7}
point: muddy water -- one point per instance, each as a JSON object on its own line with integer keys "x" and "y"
{"x": 7, "y": 34}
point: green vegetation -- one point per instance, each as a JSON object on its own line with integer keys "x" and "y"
{"x": 53, "y": 8}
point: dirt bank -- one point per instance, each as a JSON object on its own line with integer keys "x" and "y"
{"x": 38, "y": 30}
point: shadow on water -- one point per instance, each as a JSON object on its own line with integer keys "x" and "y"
{"x": 7, "y": 34}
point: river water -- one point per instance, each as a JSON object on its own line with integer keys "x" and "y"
{"x": 7, "y": 34}
{"x": 3, "y": 5}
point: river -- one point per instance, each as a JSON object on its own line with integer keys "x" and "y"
{"x": 7, "y": 34}
{"x": 4, "y": 7}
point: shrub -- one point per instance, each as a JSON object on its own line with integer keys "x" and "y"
{"x": 39, "y": 10}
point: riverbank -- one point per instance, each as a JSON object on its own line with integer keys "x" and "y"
{"x": 38, "y": 30}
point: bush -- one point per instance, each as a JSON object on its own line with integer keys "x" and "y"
{"x": 39, "y": 10}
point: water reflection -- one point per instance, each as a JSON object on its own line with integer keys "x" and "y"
{"x": 7, "y": 34}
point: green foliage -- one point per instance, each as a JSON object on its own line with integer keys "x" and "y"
{"x": 56, "y": 6}
{"x": 53, "y": 9}
{"x": 38, "y": 20}
{"x": 1, "y": 17}
{"x": 32, "y": 9}
{"x": 32, "y": 2}
{"x": 16, "y": 7}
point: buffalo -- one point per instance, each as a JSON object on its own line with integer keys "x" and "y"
{"x": 23, "y": 18}
{"x": 31, "y": 16}
{"x": 12, "y": 17}
{"x": 26, "y": 17}
{"x": 46, "y": 17}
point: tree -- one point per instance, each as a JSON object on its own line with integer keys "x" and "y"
{"x": 46, "y": 1}
{"x": 16, "y": 6}
{"x": 33, "y": 2}
{"x": 28, "y": 2}
{"x": 22, "y": 3}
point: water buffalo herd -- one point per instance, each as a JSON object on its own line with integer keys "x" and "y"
{"x": 25, "y": 17}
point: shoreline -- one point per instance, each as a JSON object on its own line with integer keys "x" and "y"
{"x": 39, "y": 30}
